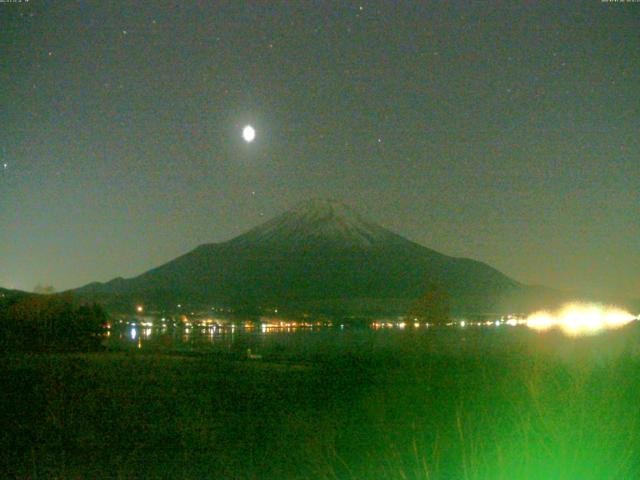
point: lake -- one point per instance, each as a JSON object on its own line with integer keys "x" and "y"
{"x": 313, "y": 342}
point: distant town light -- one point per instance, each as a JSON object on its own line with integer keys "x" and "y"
{"x": 580, "y": 319}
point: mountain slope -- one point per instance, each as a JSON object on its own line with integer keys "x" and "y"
{"x": 320, "y": 253}
{"x": 7, "y": 293}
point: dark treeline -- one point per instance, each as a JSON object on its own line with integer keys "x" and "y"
{"x": 43, "y": 323}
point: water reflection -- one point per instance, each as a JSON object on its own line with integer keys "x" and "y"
{"x": 206, "y": 334}
{"x": 277, "y": 337}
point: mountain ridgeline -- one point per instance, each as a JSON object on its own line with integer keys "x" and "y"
{"x": 320, "y": 257}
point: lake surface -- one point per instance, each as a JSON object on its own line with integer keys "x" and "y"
{"x": 325, "y": 341}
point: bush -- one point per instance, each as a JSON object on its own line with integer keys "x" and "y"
{"x": 50, "y": 323}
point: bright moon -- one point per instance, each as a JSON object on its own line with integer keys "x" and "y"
{"x": 248, "y": 133}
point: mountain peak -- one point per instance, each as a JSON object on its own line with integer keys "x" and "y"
{"x": 322, "y": 204}
{"x": 326, "y": 209}
{"x": 320, "y": 220}
{"x": 320, "y": 256}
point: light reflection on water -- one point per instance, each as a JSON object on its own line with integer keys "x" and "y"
{"x": 318, "y": 341}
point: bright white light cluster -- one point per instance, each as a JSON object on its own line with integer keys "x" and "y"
{"x": 248, "y": 133}
{"x": 580, "y": 319}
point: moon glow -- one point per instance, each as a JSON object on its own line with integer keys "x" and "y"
{"x": 248, "y": 134}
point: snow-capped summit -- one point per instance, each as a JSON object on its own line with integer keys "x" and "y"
{"x": 316, "y": 221}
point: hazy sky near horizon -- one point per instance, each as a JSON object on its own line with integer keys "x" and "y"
{"x": 506, "y": 133}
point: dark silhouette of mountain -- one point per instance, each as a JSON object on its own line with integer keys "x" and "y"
{"x": 320, "y": 256}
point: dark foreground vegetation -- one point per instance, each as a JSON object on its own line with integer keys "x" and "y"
{"x": 351, "y": 415}
{"x": 47, "y": 323}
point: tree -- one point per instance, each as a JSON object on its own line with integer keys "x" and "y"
{"x": 50, "y": 323}
{"x": 432, "y": 307}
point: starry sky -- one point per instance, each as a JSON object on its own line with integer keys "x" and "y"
{"x": 503, "y": 132}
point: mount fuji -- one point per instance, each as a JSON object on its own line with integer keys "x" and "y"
{"x": 321, "y": 256}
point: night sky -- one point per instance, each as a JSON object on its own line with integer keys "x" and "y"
{"x": 507, "y": 134}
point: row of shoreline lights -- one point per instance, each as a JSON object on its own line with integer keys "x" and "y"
{"x": 573, "y": 319}
{"x": 581, "y": 319}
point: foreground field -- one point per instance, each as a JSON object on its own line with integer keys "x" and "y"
{"x": 354, "y": 415}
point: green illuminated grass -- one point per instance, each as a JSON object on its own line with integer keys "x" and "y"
{"x": 352, "y": 414}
